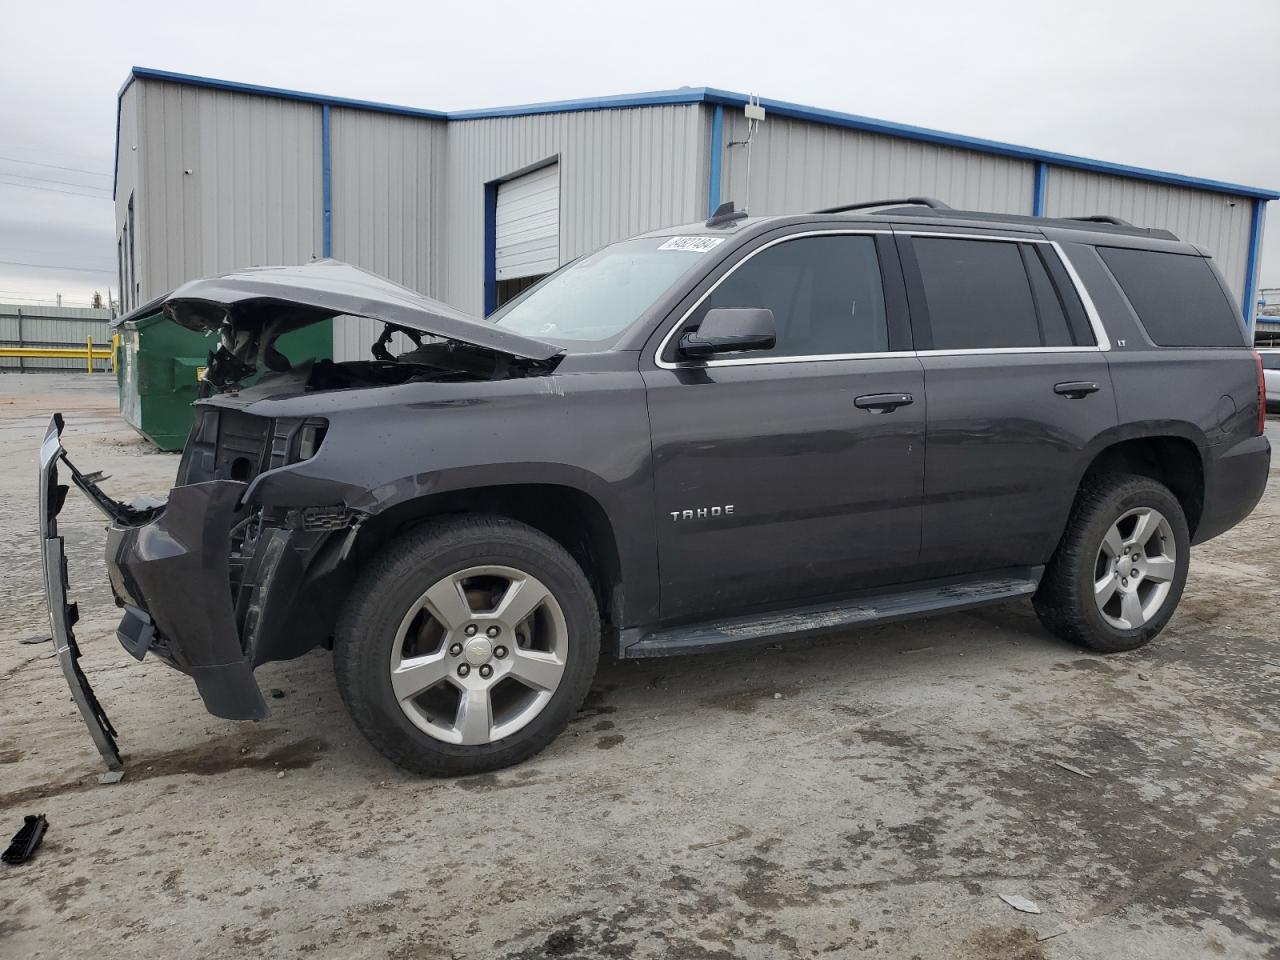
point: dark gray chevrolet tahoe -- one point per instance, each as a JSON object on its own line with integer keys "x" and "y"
{"x": 685, "y": 442}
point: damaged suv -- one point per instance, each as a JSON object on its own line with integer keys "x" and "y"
{"x": 702, "y": 437}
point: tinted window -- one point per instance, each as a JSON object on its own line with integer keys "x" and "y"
{"x": 1077, "y": 318}
{"x": 1271, "y": 361}
{"x": 1177, "y": 298}
{"x": 824, "y": 292}
{"x": 977, "y": 293}
{"x": 1054, "y": 330}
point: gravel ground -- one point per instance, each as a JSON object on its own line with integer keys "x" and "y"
{"x": 865, "y": 795}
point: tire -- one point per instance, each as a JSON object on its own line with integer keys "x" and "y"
{"x": 1066, "y": 601}
{"x": 381, "y": 620}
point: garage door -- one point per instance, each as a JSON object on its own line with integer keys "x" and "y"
{"x": 527, "y": 225}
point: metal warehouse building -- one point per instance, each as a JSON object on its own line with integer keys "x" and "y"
{"x": 472, "y": 206}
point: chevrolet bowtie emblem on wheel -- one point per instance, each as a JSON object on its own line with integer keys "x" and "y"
{"x": 702, "y": 513}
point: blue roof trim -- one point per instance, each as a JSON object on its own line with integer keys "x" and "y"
{"x": 871, "y": 125}
{"x": 711, "y": 95}
{"x": 620, "y": 102}
{"x": 146, "y": 73}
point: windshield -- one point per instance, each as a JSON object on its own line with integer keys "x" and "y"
{"x": 597, "y": 297}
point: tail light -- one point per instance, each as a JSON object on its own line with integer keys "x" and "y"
{"x": 1262, "y": 394}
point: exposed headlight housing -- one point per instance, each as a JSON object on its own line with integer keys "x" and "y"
{"x": 294, "y": 440}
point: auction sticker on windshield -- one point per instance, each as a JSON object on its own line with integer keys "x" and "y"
{"x": 692, "y": 244}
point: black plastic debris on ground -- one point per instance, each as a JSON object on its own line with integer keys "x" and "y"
{"x": 26, "y": 840}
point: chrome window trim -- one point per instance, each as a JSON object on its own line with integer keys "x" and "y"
{"x": 1091, "y": 311}
{"x": 936, "y": 235}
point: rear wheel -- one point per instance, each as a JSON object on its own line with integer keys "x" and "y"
{"x": 467, "y": 645}
{"x": 1119, "y": 571}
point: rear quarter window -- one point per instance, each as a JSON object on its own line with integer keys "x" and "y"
{"x": 1176, "y": 296}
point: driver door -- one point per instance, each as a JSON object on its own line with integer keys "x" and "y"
{"x": 793, "y": 473}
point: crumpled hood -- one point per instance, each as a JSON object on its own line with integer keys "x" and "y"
{"x": 252, "y": 307}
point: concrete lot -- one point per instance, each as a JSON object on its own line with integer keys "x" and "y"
{"x": 905, "y": 779}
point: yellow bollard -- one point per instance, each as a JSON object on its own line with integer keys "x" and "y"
{"x": 88, "y": 354}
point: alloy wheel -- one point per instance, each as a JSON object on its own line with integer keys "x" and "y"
{"x": 1134, "y": 569}
{"x": 479, "y": 655}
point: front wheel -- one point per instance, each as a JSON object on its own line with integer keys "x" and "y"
{"x": 1119, "y": 571}
{"x": 467, "y": 645}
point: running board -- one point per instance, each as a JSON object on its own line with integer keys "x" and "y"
{"x": 921, "y": 599}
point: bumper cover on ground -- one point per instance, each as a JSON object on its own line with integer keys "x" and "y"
{"x": 62, "y": 613}
{"x": 169, "y": 569}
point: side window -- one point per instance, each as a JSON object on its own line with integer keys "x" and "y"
{"x": 1077, "y": 319}
{"x": 825, "y": 294}
{"x": 978, "y": 294}
{"x": 1176, "y": 296}
{"x": 1271, "y": 361}
{"x": 1054, "y": 329}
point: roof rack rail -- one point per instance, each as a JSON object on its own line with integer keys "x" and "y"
{"x": 725, "y": 214}
{"x": 1102, "y": 218}
{"x": 912, "y": 201}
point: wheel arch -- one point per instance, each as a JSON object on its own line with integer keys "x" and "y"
{"x": 570, "y": 515}
{"x": 1171, "y": 453}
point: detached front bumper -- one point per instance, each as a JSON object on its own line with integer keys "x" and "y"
{"x": 171, "y": 573}
{"x": 62, "y": 613}
{"x": 169, "y": 565}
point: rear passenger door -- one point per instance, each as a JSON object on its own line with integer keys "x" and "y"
{"x": 1017, "y": 386}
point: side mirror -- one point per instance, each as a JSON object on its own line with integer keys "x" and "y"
{"x": 731, "y": 330}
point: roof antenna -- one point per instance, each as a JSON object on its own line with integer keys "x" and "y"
{"x": 754, "y": 114}
{"x": 725, "y": 215}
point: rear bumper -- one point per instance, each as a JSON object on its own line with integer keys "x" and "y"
{"x": 172, "y": 576}
{"x": 1233, "y": 484}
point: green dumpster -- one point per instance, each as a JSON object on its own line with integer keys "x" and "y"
{"x": 159, "y": 366}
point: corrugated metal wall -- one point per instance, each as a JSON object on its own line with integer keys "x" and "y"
{"x": 385, "y": 177}
{"x": 253, "y": 193}
{"x": 128, "y": 164}
{"x": 408, "y": 193}
{"x": 621, "y": 172}
{"x": 1217, "y": 222}
{"x": 798, "y": 166}
{"x": 23, "y": 326}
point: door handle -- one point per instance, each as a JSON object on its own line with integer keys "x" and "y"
{"x": 882, "y": 402}
{"x": 1075, "y": 389}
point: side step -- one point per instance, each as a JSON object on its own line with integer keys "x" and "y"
{"x": 917, "y": 600}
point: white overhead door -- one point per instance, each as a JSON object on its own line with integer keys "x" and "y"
{"x": 527, "y": 225}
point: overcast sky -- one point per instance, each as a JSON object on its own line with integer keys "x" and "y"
{"x": 1188, "y": 87}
